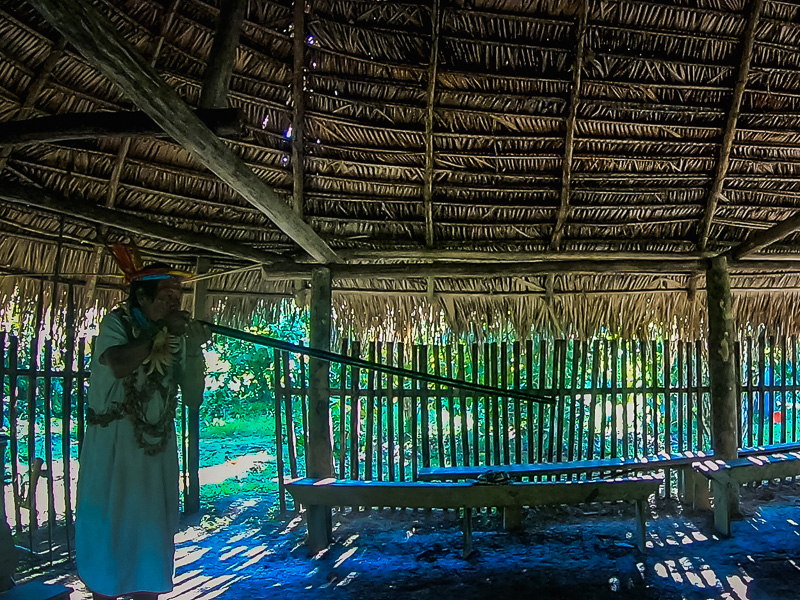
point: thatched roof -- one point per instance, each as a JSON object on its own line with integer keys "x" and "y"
{"x": 680, "y": 127}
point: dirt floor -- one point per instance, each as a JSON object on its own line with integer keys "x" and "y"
{"x": 562, "y": 552}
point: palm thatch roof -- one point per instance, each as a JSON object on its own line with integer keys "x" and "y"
{"x": 563, "y": 165}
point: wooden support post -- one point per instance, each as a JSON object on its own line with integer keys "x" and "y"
{"x": 430, "y": 96}
{"x": 512, "y": 518}
{"x": 722, "y": 373}
{"x": 191, "y": 502}
{"x": 319, "y": 454}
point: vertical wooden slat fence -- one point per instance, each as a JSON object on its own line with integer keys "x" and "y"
{"x": 612, "y": 398}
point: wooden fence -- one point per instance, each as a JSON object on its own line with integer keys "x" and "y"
{"x": 613, "y": 398}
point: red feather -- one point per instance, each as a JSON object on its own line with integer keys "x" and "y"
{"x": 127, "y": 259}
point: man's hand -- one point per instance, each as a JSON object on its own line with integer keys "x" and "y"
{"x": 176, "y": 322}
{"x": 197, "y": 334}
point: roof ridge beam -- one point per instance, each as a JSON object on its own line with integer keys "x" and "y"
{"x": 748, "y": 44}
{"x": 96, "y": 38}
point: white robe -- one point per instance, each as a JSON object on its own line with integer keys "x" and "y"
{"x": 127, "y": 501}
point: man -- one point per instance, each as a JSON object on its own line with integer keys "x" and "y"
{"x": 127, "y": 503}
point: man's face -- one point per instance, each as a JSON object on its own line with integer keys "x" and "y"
{"x": 166, "y": 301}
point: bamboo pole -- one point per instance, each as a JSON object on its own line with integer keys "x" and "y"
{"x": 364, "y": 364}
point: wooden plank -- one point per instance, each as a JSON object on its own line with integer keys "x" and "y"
{"x": 529, "y": 405}
{"x": 279, "y": 389}
{"x": 355, "y": 411}
{"x": 581, "y": 403}
{"x": 298, "y": 137}
{"x": 415, "y": 366}
{"x": 98, "y": 40}
{"x": 33, "y": 358}
{"x": 451, "y": 407}
{"x": 655, "y": 414}
{"x": 558, "y": 409}
{"x": 401, "y": 414}
{"x": 752, "y": 469}
{"x": 476, "y": 441}
{"x": 784, "y": 387}
{"x": 645, "y": 437}
{"x": 505, "y": 420}
{"x": 602, "y": 387}
{"x": 437, "y": 370}
{"x": 81, "y": 392}
{"x": 343, "y": 413}
{"x": 495, "y": 404}
{"x": 517, "y": 358}
{"x": 13, "y": 363}
{"x": 739, "y": 378}
{"x": 377, "y": 391}
{"x": 614, "y": 399}
{"x": 455, "y": 495}
{"x": 370, "y": 426}
{"x": 47, "y": 406}
{"x": 794, "y": 389}
{"x": 668, "y": 447}
{"x": 391, "y": 406}
{"x": 762, "y": 387}
{"x": 681, "y": 398}
{"x": 424, "y": 407}
{"x": 574, "y": 404}
{"x": 593, "y": 396}
{"x": 305, "y": 400}
{"x": 291, "y": 436}
{"x": 626, "y": 445}
{"x": 542, "y": 387}
{"x": 750, "y": 423}
{"x": 771, "y": 392}
{"x": 464, "y": 408}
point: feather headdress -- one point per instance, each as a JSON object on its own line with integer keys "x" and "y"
{"x": 129, "y": 260}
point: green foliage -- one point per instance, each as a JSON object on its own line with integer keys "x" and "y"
{"x": 240, "y": 374}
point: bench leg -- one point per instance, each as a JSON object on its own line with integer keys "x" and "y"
{"x": 467, "y": 531}
{"x": 722, "y": 508}
{"x": 512, "y": 518}
{"x": 319, "y": 527}
{"x": 696, "y": 489}
{"x": 641, "y": 525}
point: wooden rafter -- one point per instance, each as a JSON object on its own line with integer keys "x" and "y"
{"x": 748, "y": 43}
{"x": 95, "y": 37}
{"x": 566, "y": 169}
{"x": 490, "y": 269}
{"x": 762, "y": 239}
{"x": 84, "y": 126}
{"x": 427, "y": 190}
{"x": 27, "y": 195}
{"x": 299, "y": 108}
{"x": 219, "y": 68}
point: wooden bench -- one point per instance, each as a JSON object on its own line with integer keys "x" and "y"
{"x": 695, "y": 489}
{"x": 725, "y": 477}
{"x": 466, "y": 495}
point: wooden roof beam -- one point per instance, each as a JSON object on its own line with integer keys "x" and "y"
{"x": 95, "y": 37}
{"x": 762, "y": 239}
{"x": 86, "y": 126}
{"x": 299, "y": 108}
{"x": 430, "y": 95}
{"x": 219, "y": 68}
{"x": 566, "y": 169}
{"x": 28, "y": 195}
{"x": 748, "y": 43}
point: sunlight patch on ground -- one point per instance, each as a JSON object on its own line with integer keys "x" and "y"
{"x": 235, "y": 468}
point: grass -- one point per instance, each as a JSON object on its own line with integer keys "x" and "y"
{"x": 243, "y": 426}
